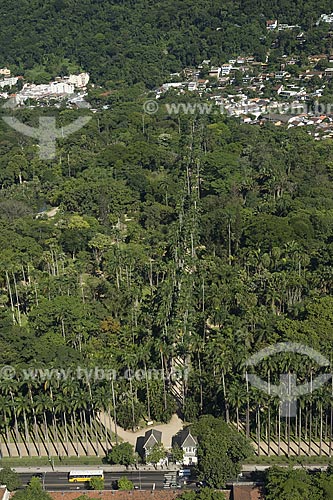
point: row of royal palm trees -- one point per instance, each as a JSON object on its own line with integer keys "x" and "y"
{"x": 219, "y": 383}
{"x": 61, "y": 414}
{"x": 56, "y": 415}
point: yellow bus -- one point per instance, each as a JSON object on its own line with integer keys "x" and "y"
{"x": 83, "y": 476}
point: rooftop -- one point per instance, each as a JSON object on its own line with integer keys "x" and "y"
{"x": 119, "y": 495}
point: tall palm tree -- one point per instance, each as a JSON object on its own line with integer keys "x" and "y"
{"x": 93, "y": 423}
{"x": 61, "y": 406}
{"x": 33, "y": 408}
{"x": 10, "y": 388}
{"x": 23, "y": 405}
{"x": 54, "y": 420}
{"x": 81, "y": 403}
{"x": 114, "y": 410}
{"x": 42, "y": 406}
{"x": 102, "y": 401}
{"x": 237, "y": 398}
{"x": 5, "y": 412}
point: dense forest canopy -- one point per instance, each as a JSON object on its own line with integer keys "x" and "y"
{"x": 143, "y": 41}
{"x": 155, "y": 241}
{"x": 192, "y": 238}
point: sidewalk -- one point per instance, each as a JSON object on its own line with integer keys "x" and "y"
{"x": 105, "y": 468}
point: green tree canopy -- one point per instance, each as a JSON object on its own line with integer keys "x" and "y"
{"x": 122, "y": 454}
{"x": 221, "y": 450}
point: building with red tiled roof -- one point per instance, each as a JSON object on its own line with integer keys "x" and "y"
{"x": 123, "y": 495}
{"x": 118, "y": 495}
{"x": 247, "y": 491}
{"x": 4, "y": 493}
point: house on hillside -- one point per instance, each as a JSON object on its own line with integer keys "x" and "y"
{"x": 189, "y": 445}
{"x": 325, "y": 18}
{"x": 226, "y": 68}
{"x": 215, "y": 72}
{"x": 271, "y": 24}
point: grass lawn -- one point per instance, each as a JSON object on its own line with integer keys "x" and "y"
{"x": 275, "y": 460}
{"x": 43, "y": 461}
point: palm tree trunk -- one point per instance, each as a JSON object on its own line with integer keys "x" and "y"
{"x": 17, "y": 300}
{"x": 148, "y": 392}
{"x": 269, "y": 430}
{"x": 73, "y": 418}
{"x": 86, "y": 431}
{"x": 35, "y": 422}
{"x": 310, "y": 430}
{"x": 247, "y": 409}
{"x": 7, "y": 432}
{"x": 163, "y": 376}
{"x": 10, "y": 297}
{"x": 321, "y": 431}
{"x": 310, "y": 416}
{"x": 331, "y": 431}
{"x": 26, "y": 430}
{"x": 279, "y": 429}
{"x": 114, "y": 411}
{"x": 106, "y": 431}
{"x": 47, "y": 434}
{"x": 16, "y": 426}
{"x": 201, "y": 387}
{"x": 66, "y": 432}
{"x": 226, "y": 404}
{"x": 110, "y": 422}
{"x": 299, "y": 428}
{"x": 96, "y": 434}
{"x": 258, "y": 430}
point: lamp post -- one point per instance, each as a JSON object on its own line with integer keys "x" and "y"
{"x": 51, "y": 460}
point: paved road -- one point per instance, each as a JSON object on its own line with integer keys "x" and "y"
{"x": 58, "y": 481}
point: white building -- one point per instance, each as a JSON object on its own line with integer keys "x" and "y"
{"x": 226, "y": 68}
{"x": 32, "y": 91}
{"x": 271, "y": 24}
{"x": 192, "y": 86}
{"x": 215, "y": 72}
{"x": 189, "y": 445}
{"x": 5, "y": 71}
{"x": 61, "y": 88}
{"x": 80, "y": 80}
{"x": 8, "y": 81}
{"x": 325, "y": 18}
{"x": 172, "y": 85}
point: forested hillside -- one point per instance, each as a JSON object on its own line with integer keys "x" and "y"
{"x": 145, "y": 40}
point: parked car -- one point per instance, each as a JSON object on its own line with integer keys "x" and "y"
{"x": 201, "y": 484}
{"x": 114, "y": 485}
